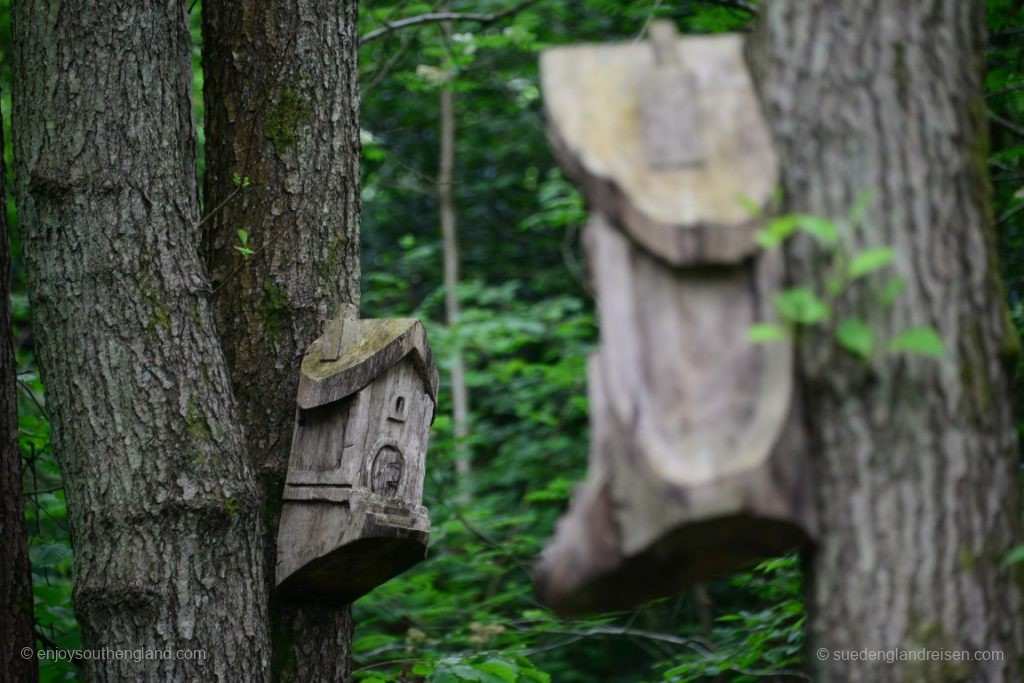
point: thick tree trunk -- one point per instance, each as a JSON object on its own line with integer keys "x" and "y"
{"x": 915, "y": 459}
{"x": 165, "y": 512}
{"x": 282, "y": 110}
{"x": 17, "y": 622}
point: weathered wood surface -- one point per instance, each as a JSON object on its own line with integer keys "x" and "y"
{"x": 352, "y": 517}
{"x": 597, "y": 100}
{"x": 697, "y": 453}
{"x": 696, "y": 462}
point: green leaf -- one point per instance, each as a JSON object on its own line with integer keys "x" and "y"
{"x": 49, "y": 554}
{"x": 1015, "y": 556}
{"x": 922, "y": 340}
{"x": 802, "y": 306}
{"x": 821, "y": 229}
{"x": 765, "y": 332}
{"x": 500, "y": 669}
{"x": 749, "y": 205}
{"x": 869, "y": 261}
{"x": 856, "y": 337}
{"x": 860, "y": 206}
{"x": 777, "y": 230}
{"x": 893, "y": 288}
{"x": 243, "y": 237}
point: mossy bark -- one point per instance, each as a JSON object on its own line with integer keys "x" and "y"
{"x": 164, "y": 506}
{"x": 915, "y": 459}
{"x": 282, "y": 105}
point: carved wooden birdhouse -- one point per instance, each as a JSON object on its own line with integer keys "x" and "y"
{"x": 696, "y": 458}
{"x": 352, "y": 517}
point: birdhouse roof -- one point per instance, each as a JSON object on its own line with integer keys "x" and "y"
{"x": 372, "y": 347}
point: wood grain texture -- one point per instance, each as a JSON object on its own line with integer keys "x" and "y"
{"x": 916, "y": 460}
{"x": 684, "y": 214}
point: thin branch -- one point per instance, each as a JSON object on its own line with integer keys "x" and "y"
{"x": 377, "y": 665}
{"x": 1007, "y": 90}
{"x": 231, "y": 195}
{"x": 1010, "y": 214}
{"x": 40, "y": 492}
{"x": 433, "y": 17}
{"x": 31, "y": 394}
{"x": 733, "y": 4}
{"x": 1006, "y": 124}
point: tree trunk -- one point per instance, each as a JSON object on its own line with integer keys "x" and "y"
{"x": 164, "y": 509}
{"x": 282, "y": 114}
{"x": 17, "y": 621}
{"x": 450, "y": 246}
{"x": 915, "y": 459}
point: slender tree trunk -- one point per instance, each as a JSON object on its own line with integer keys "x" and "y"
{"x": 164, "y": 509}
{"x": 915, "y": 459}
{"x": 450, "y": 246}
{"x": 17, "y": 622}
{"x": 282, "y": 111}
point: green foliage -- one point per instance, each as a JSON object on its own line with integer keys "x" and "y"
{"x": 243, "y": 244}
{"x": 854, "y": 335}
{"x": 764, "y": 638}
{"x": 1015, "y": 556}
{"x": 846, "y": 282}
{"x": 921, "y": 340}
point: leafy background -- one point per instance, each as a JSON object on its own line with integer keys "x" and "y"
{"x": 468, "y": 612}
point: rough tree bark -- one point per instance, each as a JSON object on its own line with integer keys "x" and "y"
{"x": 915, "y": 459}
{"x": 163, "y": 504}
{"x": 17, "y": 621}
{"x": 282, "y": 109}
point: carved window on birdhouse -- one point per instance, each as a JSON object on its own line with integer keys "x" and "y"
{"x": 386, "y": 470}
{"x": 398, "y": 408}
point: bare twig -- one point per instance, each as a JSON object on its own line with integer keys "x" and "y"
{"x": 1006, "y": 124}
{"x": 733, "y": 4}
{"x": 40, "y": 492}
{"x": 223, "y": 203}
{"x": 1010, "y": 214}
{"x": 1005, "y": 91}
{"x": 31, "y": 394}
{"x": 377, "y": 665}
{"x": 433, "y": 17}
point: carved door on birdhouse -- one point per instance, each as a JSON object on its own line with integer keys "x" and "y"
{"x": 696, "y": 458}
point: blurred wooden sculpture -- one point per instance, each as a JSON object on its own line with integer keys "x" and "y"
{"x": 696, "y": 449}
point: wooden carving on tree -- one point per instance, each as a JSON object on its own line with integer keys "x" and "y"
{"x": 696, "y": 448}
{"x": 352, "y": 517}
